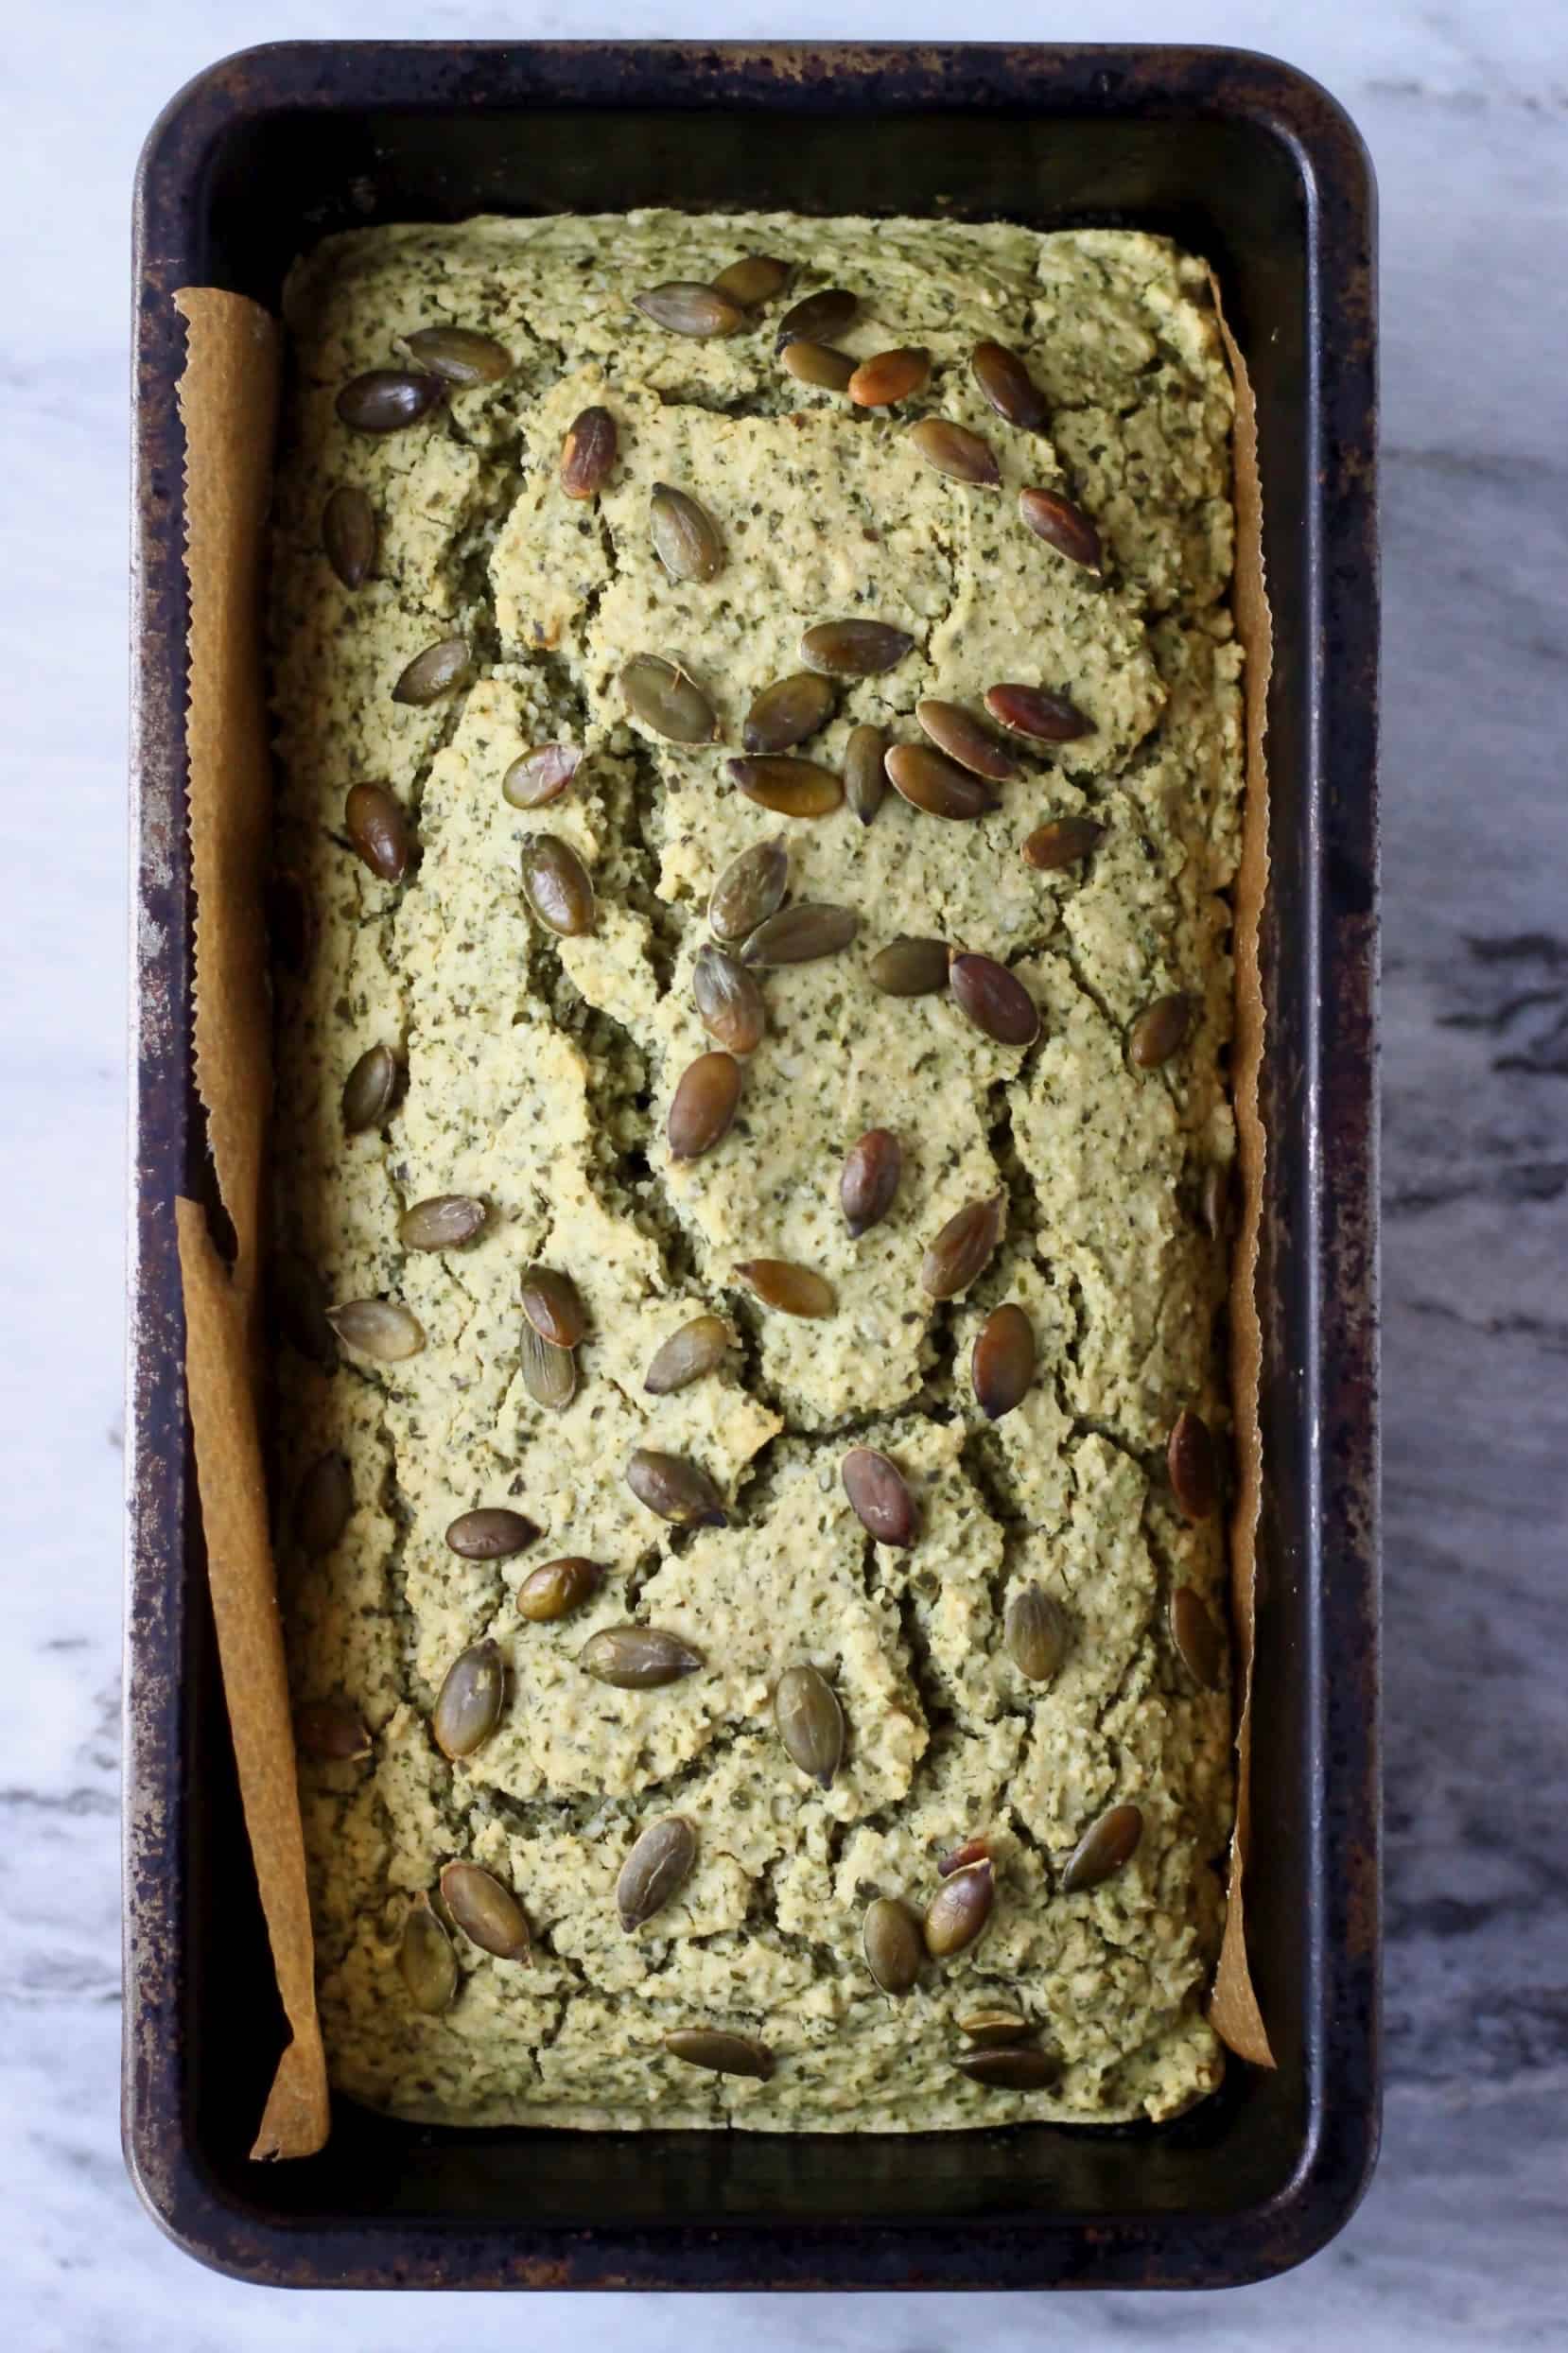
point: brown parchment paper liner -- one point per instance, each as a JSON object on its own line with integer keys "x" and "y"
{"x": 228, "y": 405}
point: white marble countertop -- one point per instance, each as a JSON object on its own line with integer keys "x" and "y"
{"x": 1462, "y": 2240}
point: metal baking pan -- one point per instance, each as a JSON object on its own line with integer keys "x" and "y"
{"x": 1252, "y": 165}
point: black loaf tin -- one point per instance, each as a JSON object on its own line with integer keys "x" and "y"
{"x": 1247, "y": 162}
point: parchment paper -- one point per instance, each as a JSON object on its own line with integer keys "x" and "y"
{"x": 228, "y": 405}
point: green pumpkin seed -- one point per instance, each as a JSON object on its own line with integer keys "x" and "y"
{"x": 1196, "y": 1638}
{"x": 556, "y": 1588}
{"x": 379, "y": 1328}
{"x": 468, "y": 1706}
{"x": 791, "y": 788}
{"x": 750, "y": 889}
{"x": 1159, "y": 1029}
{"x": 378, "y": 830}
{"x": 810, "y": 1721}
{"x": 557, "y": 886}
{"x": 894, "y": 1946}
{"x": 678, "y": 1491}
{"x": 931, "y": 782}
{"x": 1103, "y": 1849}
{"x": 728, "y": 1001}
{"x": 971, "y": 1851}
{"x": 993, "y": 1001}
{"x": 703, "y": 1106}
{"x": 297, "y": 1300}
{"x": 959, "y": 733}
{"x": 1193, "y": 1471}
{"x": 655, "y": 1870}
{"x": 1021, "y": 2067}
{"x": 1036, "y": 712}
{"x": 792, "y": 1290}
{"x": 869, "y": 1182}
{"x": 553, "y": 1306}
{"x": 349, "y": 535}
{"x": 722, "y": 2054}
{"x": 425, "y": 1957}
{"x": 992, "y": 2029}
{"x": 1062, "y": 526}
{"x": 441, "y": 667}
{"x": 587, "y": 453}
{"x": 801, "y": 935}
{"x": 959, "y": 1911}
{"x": 549, "y": 1373}
{"x": 855, "y": 649}
{"x": 488, "y": 1913}
{"x": 700, "y": 1346}
{"x": 1002, "y": 1363}
{"x": 664, "y": 698}
{"x": 818, "y": 364}
{"x": 684, "y": 306}
{"x": 322, "y": 1505}
{"x": 369, "y": 1089}
{"x": 686, "y": 537}
{"x": 910, "y": 967}
{"x": 331, "y": 1733}
{"x": 892, "y": 376}
{"x": 864, "y": 773}
{"x": 787, "y": 712}
{"x": 460, "y": 355}
{"x": 879, "y": 1496}
{"x": 827, "y": 312}
{"x": 444, "y": 1222}
{"x": 755, "y": 278}
{"x": 637, "y": 1658}
{"x": 541, "y": 775}
{"x": 384, "y": 400}
{"x": 1009, "y": 387}
{"x": 954, "y": 450}
{"x": 963, "y": 1248}
{"x": 1036, "y": 1633}
{"x": 1062, "y": 843}
{"x": 492, "y": 1533}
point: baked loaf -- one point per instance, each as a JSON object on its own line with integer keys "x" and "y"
{"x": 627, "y": 1803}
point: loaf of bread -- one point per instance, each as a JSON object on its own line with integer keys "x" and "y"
{"x": 759, "y": 778}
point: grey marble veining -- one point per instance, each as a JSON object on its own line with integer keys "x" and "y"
{"x": 1462, "y": 2240}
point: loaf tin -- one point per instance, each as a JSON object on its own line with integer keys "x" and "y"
{"x": 1254, "y": 166}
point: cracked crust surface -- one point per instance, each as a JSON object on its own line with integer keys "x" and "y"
{"x": 539, "y": 1072}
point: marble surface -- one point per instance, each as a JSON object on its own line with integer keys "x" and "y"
{"x": 1462, "y": 2239}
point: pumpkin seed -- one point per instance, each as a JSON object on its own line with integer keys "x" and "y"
{"x": 656, "y": 1869}
{"x": 1062, "y": 843}
{"x": 469, "y": 1705}
{"x": 959, "y": 1911}
{"x": 297, "y": 1298}
{"x": 290, "y": 924}
{"x": 1036, "y": 711}
{"x": 787, "y": 712}
{"x": 723, "y": 2054}
{"x": 1195, "y": 1636}
{"x": 664, "y": 698}
{"x": 894, "y": 1946}
{"x": 553, "y": 1306}
{"x": 971, "y": 1851}
{"x": 749, "y": 889}
{"x": 1214, "y": 1199}
{"x": 637, "y": 1658}
{"x": 703, "y": 1106}
{"x": 686, "y": 307}
{"x": 910, "y": 967}
{"x": 879, "y": 1496}
{"x": 322, "y": 1505}
{"x": 349, "y": 535}
{"x": 992, "y": 2029}
{"x": 549, "y": 1373}
{"x": 993, "y": 999}
{"x": 827, "y": 312}
{"x": 440, "y": 666}
{"x": 379, "y": 1328}
{"x": 378, "y": 830}
{"x": 368, "y": 1088}
{"x": 587, "y": 453}
{"x": 793, "y": 1290}
{"x": 540, "y": 775}
{"x": 331, "y": 1733}
{"x": 1193, "y": 1471}
{"x": 1103, "y": 1849}
{"x": 425, "y": 1957}
{"x": 855, "y": 649}
{"x": 492, "y": 1533}
{"x": 952, "y": 449}
{"x": 800, "y": 934}
{"x": 865, "y": 775}
{"x": 959, "y": 733}
{"x": 557, "y": 886}
{"x": 810, "y": 1721}
{"x": 929, "y": 781}
{"x": 489, "y": 1914}
{"x": 728, "y": 1001}
{"x": 678, "y": 1491}
{"x": 443, "y": 1223}
{"x": 1009, "y": 387}
{"x": 460, "y": 355}
{"x": 755, "y": 278}
{"x": 1003, "y": 1363}
{"x": 1062, "y": 526}
{"x": 892, "y": 376}
{"x": 1035, "y": 1631}
{"x": 1159, "y": 1029}
{"x": 818, "y": 364}
{"x": 963, "y": 1248}
{"x": 791, "y": 788}
{"x": 700, "y": 1346}
{"x": 686, "y": 537}
{"x": 556, "y": 1588}
{"x": 869, "y": 1183}
{"x": 384, "y": 400}
{"x": 1021, "y": 2067}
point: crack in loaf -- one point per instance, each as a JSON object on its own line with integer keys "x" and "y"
{"x": 539, "y": 1067}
